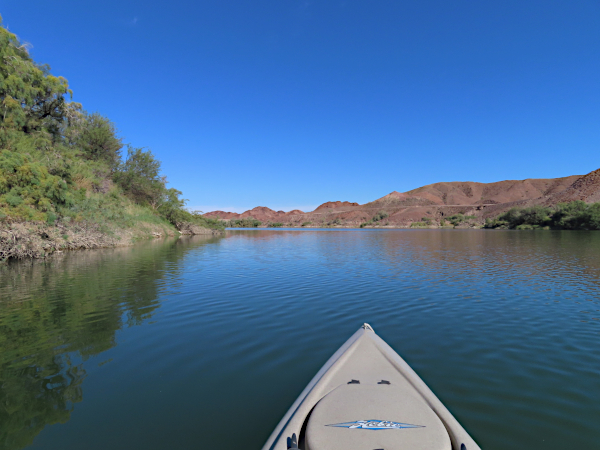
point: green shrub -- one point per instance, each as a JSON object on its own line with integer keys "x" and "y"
{"x": 139, "y": 177}
{"x": 456, "y": 219}
{"x": 247, "y": 222}
{"x": 576, "y": 215}
{"x": 27, "y": 190}
{"x": 379, "y": 216}
{"x": 304, "y": 224}
{"x": 96, "y": 136}
{"x": 275, "y": 225}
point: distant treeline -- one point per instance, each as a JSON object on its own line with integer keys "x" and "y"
{"x": 575, "y": 215}
{"x": 246, "y": 222}
{"x": 249, "y": 222}
{"x": 59, "y": 162}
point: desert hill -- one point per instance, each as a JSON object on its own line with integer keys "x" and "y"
{"x": 437, "y": 201}
{"x": 334, "y": 205}
{"x": 586, "y": 188}
{"x": 460, "y": 193}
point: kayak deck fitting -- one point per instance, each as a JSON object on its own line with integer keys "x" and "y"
{"x": 366, "y": 397}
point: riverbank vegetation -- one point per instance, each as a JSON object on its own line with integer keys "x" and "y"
{"x": 246, "y": 222}
{"x": 64, "y": 168}
{"x": 575, "y": 215}
{"x": 375, "y": 219}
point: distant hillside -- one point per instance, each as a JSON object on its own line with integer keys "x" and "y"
{"x": 460, "y": 193}
{"x": 586, "y": 188}
{"x": 435, "y": 204}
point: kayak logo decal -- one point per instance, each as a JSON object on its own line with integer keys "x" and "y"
{"x": 375, "y": 425}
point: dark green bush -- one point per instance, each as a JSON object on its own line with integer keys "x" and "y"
{"x": 247, "y": 222}
{"x": 379, "y": 216}
{"x": 576, "y": 215}
{"x": 98, "y": 141}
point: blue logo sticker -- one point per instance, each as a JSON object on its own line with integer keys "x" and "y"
{"x": 375, "y": 425}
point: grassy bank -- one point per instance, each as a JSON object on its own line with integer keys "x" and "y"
{"x": 66, "y": 179}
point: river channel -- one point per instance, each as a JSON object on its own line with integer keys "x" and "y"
{"x": 204, "y": 343}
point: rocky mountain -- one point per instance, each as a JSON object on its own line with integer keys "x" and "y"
{"x": 435, "y": 202}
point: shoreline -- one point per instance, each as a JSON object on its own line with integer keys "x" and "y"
{"x": 34, "y": 240}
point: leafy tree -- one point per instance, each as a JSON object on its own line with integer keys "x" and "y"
{"x": 98, "y": 140}
{"x": 172, "y": 207}
{"x": 594, "y": 216}
{"x": 570, "y": 216}
{"x": 139, "y": 177}
{"x": 31, "y": 99}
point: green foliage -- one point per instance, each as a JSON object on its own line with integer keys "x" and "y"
{"x": 275, "y": 225}
{"x": 97, "y": 139}
{"x": 576, "y": 215}
{"x": 419, "y": 224}
{"x": 198, "y": 219}
{"x": 31, "y": 99}
{"x": 58, "y": 162}
{"x": 139, "y": 177}
{"x": 379, "y": 216}
{"x": 28, "y": 190}
{"x": 304, "y": 224}
{"x": 456, "y": 219}
{"x": 247, "y": 222}
{"x": 366, "y": 224}
{"x": 172, "y": 207}
{"x": 459, "y": 218}
{"x": 43, "y": 344}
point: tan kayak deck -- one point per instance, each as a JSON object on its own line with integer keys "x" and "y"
{"x": 367, "y": 398}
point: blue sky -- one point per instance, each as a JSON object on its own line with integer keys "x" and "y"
{"x": 290, "y": 103}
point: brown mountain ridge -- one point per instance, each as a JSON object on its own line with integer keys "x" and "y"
{"x": 436, "y": 201}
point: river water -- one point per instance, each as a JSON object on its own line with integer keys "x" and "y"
{"x": 203, "y": 343}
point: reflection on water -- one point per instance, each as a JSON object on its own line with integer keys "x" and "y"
{"x": 54, "y": 314}
{"x": 205, "y": 343}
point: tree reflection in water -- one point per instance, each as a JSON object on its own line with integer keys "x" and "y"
{"x": 55, "y": 314}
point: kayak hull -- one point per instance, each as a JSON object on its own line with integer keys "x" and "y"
{"x": 366, "y": 374}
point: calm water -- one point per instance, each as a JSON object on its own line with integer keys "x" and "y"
{"x": 205, "y": 343}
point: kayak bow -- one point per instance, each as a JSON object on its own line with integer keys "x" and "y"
{"x": 366, "y": 397}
